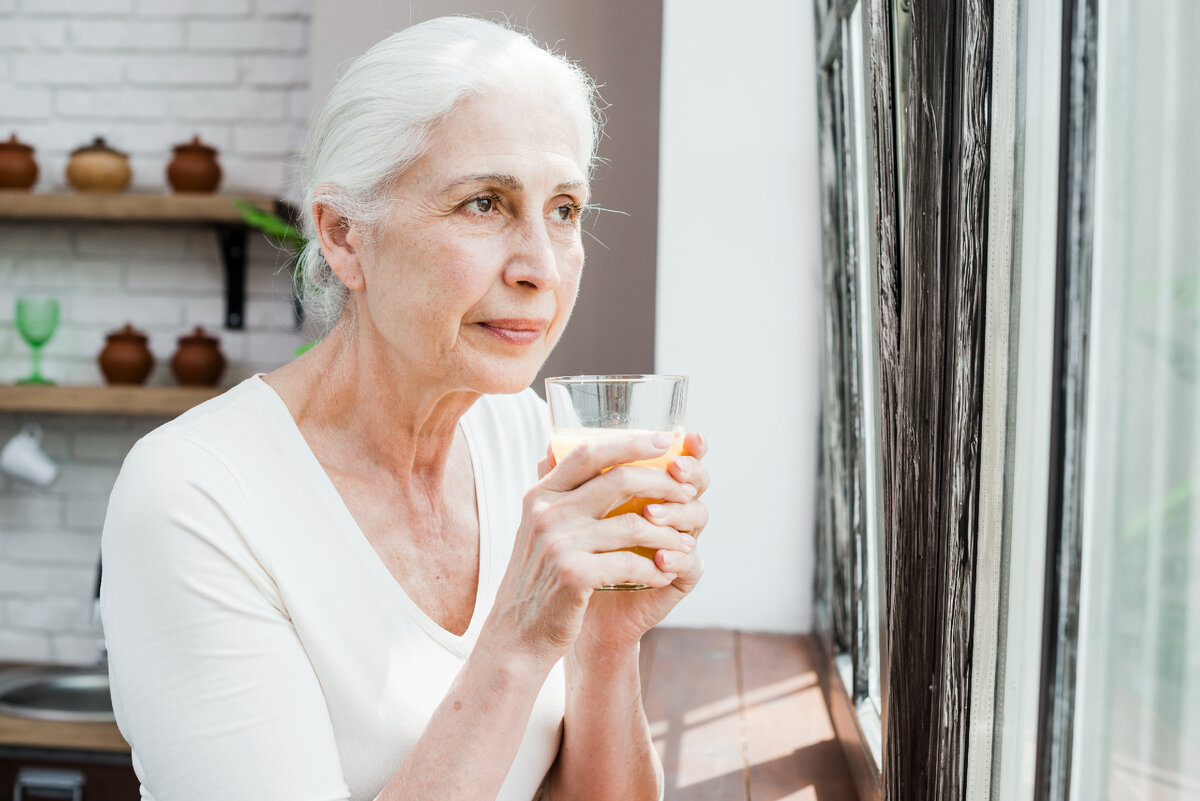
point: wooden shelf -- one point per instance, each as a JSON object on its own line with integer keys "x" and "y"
{"x": 123, "y": 400}
{"x": 131, "y": 207}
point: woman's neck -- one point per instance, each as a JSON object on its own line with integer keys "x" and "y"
{"x": 353, "y": 400}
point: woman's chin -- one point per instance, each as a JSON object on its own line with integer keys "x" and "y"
{"x": 507, "y": 380}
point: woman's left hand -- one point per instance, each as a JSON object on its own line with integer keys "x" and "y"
{"x": 615, "y": 620}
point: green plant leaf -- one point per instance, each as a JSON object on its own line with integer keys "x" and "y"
{"x": 272, "y": 225}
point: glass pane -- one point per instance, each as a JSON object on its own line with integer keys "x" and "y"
{"x": 840, "y": 389}
{"x": 1138, "y": 694}
{"x": 829, "y": 607}
{"x": 868, "y": 352}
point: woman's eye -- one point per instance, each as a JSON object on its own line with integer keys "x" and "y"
{"x": 483, "y": 205}
{"x": 568, "y": 211}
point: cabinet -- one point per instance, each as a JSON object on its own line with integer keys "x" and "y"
{"x": 52, "y": 774}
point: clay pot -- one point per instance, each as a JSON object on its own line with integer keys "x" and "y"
{"x": 126, "y": 359}
{"x": 18, "y": 170}
{"x": 98, "y": 168}
{"x": 198, "y": 362}
{"x": 194, "y": 168}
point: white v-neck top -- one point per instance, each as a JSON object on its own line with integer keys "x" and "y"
{"x": 258, "y": 646}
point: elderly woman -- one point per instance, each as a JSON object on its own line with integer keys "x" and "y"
{"x": 363, "y": 575}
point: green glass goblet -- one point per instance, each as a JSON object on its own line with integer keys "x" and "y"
{"x": 37, "y": 318}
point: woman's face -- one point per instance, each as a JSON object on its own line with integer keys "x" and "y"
{"x": 471, "y": 279}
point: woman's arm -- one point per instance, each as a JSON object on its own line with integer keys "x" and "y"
{"x": 563, "y": 550}
{"x": 468, "y": 746}
{"x": 606, "y": 752}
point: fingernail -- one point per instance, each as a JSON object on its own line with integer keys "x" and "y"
{"x": 700, "y": 438}
{"x": 656, "y": 510}
{"x": 663, "y": 440}
{"x": 688, "y": 490}
{"x": 668, "y": 559}
{"x": 683, "y": 466}
{"x": 689, "y": 541}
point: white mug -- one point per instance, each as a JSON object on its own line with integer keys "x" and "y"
{"x": 22, "y": 457}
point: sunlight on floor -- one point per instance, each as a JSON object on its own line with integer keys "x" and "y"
{"x": 741, "y": 717}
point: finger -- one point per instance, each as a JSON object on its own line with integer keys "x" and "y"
{"x": 690, "y": 518}
{"x": 546, "y": 464}
{"x": 694, "y": 444}
{"x": 608, "y": 492}
{"x": 629, "y": 531}
{"x": 618, "y": 567}
{"x": 594, "y": 454}
{"x": 687, "y": 567}
{"x": 691, "y": 470}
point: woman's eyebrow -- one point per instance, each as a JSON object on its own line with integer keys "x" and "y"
{"x": 512, "y": 183}
{"x": 577, "y": 187}
{"x": 493, "y": 178}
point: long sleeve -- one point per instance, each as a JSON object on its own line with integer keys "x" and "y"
{"x": 211, "y": 685}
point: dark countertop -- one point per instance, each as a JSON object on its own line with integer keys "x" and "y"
{"x": 26, "y": 732}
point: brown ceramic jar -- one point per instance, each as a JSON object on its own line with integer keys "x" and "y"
{"x": 18, "y": 170}
{"x": 98, "y": 168}
{"x": 194, "y": 168}
{"x": 198, "y": 362}
{"x": 126, "y": 359}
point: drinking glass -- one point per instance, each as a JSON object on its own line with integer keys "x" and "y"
{"x": 37, "y": 318}
{"x": 585, "y": 406}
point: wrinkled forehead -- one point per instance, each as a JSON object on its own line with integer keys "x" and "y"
{"x": 550, "y": 106}
{"x": 526, "y": 122}
{"x": 509, "y": 141}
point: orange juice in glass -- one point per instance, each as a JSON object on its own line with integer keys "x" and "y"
{"x": 588, "y": 406}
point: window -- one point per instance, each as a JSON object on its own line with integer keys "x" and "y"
{"x": 1137, "y": 703}
{"x": 850, "y": 596}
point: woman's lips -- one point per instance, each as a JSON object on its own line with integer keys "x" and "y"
{"x": 515, "y": 331}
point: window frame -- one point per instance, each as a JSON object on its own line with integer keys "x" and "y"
{"x": 857, "y": 699}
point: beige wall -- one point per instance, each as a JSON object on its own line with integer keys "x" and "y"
{"x": 619, "y": 43}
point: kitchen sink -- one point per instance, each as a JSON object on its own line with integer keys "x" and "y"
{"x": 57, "y": 693}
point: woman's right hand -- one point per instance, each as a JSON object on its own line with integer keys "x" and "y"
{"x": 565, "y": 547}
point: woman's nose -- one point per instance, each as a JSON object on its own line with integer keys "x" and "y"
{"x": 534, "y": 262}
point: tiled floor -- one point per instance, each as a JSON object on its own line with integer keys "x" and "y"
{"x": 738, "y": 716}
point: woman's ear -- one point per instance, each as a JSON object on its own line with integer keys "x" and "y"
{"x": 340, "y": 242}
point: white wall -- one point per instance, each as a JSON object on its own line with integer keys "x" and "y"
{"x": 146, "y": 74}
{"x": 739, "y": 307}
{"x": 149, "y": 74}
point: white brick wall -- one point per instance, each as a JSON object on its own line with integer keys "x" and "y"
{"x": 146, "y": 75}
{"x": 150, "y": 74}
{"x": 50, "y": 538}
{"x": 125, "y": 34}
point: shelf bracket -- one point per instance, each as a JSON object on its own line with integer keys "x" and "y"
{"x": 232, "y": 240}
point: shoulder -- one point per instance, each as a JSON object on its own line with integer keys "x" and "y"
{"x": 169, "y": 480}
{"x": 222, "y": 431}
{"x": 249, "y": 409}
{"x": 181, "y": 499}
{"x": 199, "y": 457}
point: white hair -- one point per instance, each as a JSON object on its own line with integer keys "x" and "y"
{"x": 385, "y": 108}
